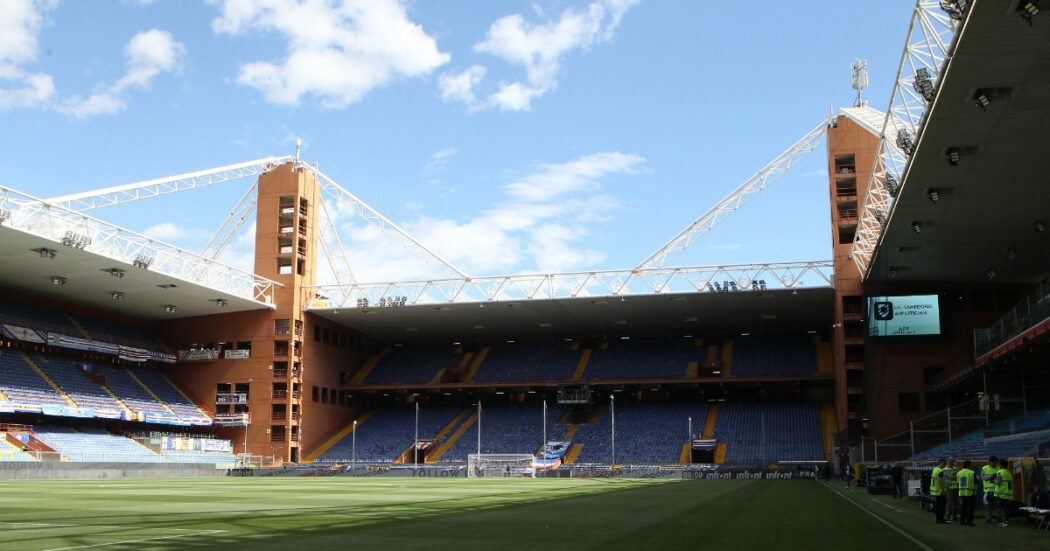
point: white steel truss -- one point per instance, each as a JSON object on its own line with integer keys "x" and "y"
{"x": 332, "y": 246}
{"x": 55, "y": 223}
{"x": 732, "y": 202}
{"x": 927, "y": 50}
{"x": 234, "y": 221}
{"x": 343, "y": 199}
{"x": 610, "y": 283}
{"x": 162, "y": 186}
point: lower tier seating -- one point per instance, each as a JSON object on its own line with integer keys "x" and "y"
{"x": 645, "y": 433}
{"x": 507, "y": 428}
{"x": 759, "y": 432}
{"x": 388, "y": 432}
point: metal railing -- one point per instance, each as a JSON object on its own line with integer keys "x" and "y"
{"x": 34, "y": 216}
{"x": 1032, "y": 310}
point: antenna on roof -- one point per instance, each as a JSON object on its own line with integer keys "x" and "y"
{"x": 298, "y": 149}
{"x": 859, "y": 80}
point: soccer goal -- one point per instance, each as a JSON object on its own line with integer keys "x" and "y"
{"x": 496, "y": 465}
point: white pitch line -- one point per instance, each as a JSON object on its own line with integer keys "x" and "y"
{"x": 154, "y": 538}
{"x": 38, "y": 524}
{"x": 889, "y": 506}
{"x": 920, "y": 544}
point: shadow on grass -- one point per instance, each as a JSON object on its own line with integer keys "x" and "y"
{"x": 486, "y": 515}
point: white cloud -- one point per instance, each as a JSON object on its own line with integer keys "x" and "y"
{"x": 460, "y": 86}
{"x": 170, "y": 232}
{"x": 539, "y": 225}
{"x": 538, "y": 47}
{"x": 337, "y": 51}
{"x": 19, "y": 26}
{"x": 148, "y": 54}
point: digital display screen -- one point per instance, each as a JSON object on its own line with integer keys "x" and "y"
{"x": 904, "y": 316}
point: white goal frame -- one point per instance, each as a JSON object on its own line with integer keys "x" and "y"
{"x": 500, "y": 465}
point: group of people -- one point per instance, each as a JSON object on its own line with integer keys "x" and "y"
{"x": 955, "y": 491}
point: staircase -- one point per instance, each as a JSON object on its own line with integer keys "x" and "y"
{"x": 435, "y": 455}
{"x": 332, "y": 440}
{"x": 727, "y": 358}
{"x": 150, "y": 392}
{"x": 370, "y": 364}
{"x": 476, "y": 365}
{"x": 48, "y": 380}
{"x": 581, "y": 367}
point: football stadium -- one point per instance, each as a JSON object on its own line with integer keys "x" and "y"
{"x": 890, "y": 396}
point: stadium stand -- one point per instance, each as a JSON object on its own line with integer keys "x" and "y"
{"x": 528, "y": 361}
{"x": 645, "y": 433}
{"x": 9, "y": 452}
{"x": 1012, "y": 437}
{"x": 133, "y": 394}
{"x": 90, "y": 444}
{"x": 387, "y": 433}
{"x": 22, "y": 384}
{"x": 36, "y": 317}
{"x": 412, "y": 364}
{"x": 772, "y": 430}
{"x": 507, "y": 428}
{"x": 162, "y": 388}
{"x": 761, "y": 355}
{"x": 643, "y": 359}
{"x": 116, "y": 333}
{"x": 74, "y": 382}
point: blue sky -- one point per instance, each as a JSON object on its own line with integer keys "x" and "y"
{"x": 511, "y": 137}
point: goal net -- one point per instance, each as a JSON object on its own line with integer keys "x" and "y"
{"x": 490, "y": 465}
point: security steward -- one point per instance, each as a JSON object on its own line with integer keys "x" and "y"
{"x": 967, "y": 484}
{"x": 937, "y": 490}
{"x": 989, "y": 473}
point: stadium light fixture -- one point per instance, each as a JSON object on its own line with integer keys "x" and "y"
{"x": 116, "y": 295}
{"x": 923, "y": 85}
{"x": 5, "y": 215}
{"x": 114, "y": 272}
{"x": 955, "y": 8}
{"x": 167, "y": 286}
{"x": 934, "y": 195}
{"x": 893, "y": 273}
{"x": 45, "y": 252}
{"x": 982, "y": 101}
{"x": 221, "y": 302}
{"x": 1040, "y": 226}
{"x": 1011, "y": 253}
{"x": 143, "y": 261}
{"x": 170, "y": 308}
{"x": 992, "y": 273}
{"x": 58, "y": 281}
{"x": 916, "y": 227}
{"x": 1028, "y": 10}
{"x": 953, "y": 156}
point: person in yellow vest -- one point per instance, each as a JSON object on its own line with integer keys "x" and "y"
{"x": 937, "y": 490}
{"x": 989, "y": 474}
{"x": 952, "y": 494}
{"x": 967, "y": 489}
{"x": 1004, "y": 492}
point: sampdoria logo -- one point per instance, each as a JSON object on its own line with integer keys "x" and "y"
{"x": 883, "y": 311}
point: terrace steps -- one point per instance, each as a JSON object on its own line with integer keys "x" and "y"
{"x": 434, "y": 456}
{"x": 335, "y": 438}
{"x": 476, "y": 364}
{"x": 48, "y": 380}
{"x": 150, "y": 391}
{"x": 727, "y": 358}
{"x": 709, "y": 423}
{"x": 581, "y": 367}
{"x": 370, "y": 364}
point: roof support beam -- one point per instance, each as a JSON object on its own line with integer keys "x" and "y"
{"x": 732, "y": 202}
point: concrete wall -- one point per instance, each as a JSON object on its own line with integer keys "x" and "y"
{"x": 31, "y": 470}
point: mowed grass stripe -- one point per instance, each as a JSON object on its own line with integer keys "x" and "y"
{"x": 405, "y": 513}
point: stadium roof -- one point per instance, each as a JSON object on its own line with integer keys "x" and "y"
{"x": 983, "y": 223}
{"x": 639, "y": 315}
{"x": 86, "y": 280}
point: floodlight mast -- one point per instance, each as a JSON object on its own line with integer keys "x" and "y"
{"x": 732, "y": 202}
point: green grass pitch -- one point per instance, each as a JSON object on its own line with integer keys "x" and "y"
{"x": 406, "y": 513}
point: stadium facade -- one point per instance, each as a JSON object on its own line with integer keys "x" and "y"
{"x": 939, "y": 240}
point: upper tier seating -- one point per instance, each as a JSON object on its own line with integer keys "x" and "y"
{"x": 759, "y": 355}
{"x": 645, "y": 433}
{"x": 418, "y": 364}
{"x": 643, "y": 359}
{"x": 22, "y": 384}
{"x": 36, "y": 317}
{"x": 507, "y": 428}
{"x": 528, "y": 361}
{"x": 94, "y": 445}
{"x": 164, "y": 390}
{"x": 74, "y": 382}
{"x": 386, "y": 433}
{"x": 771, "y": 430}
{"x": 116, "y": 333}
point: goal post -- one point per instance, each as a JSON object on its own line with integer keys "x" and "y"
{"x": 500, "y": 465}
